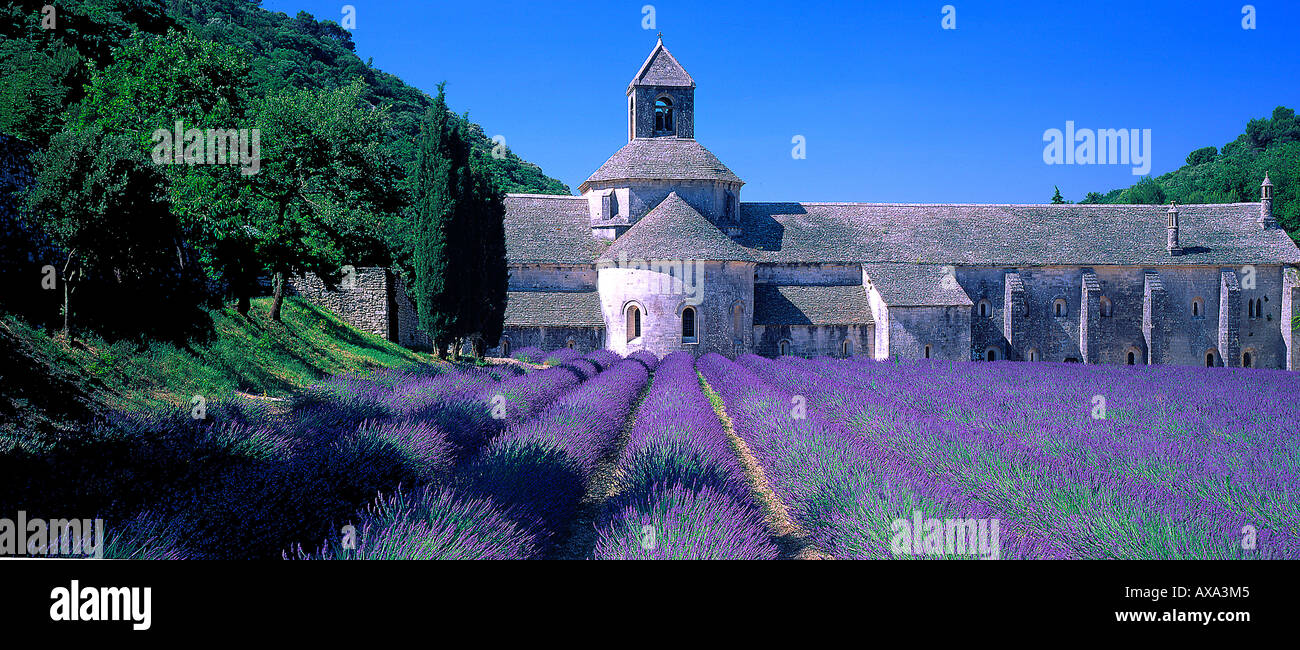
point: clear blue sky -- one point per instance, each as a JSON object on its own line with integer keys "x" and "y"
{"x": 893, "y": 107}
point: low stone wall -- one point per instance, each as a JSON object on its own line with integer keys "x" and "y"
{"x": 361, "y": 300}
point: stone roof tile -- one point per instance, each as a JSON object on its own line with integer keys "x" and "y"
{"x": 674, "y": 230}
{"x": 1068, "y": 234}
{"x": 554, "y": 308}
{"x": 810, "y": 305}
{"x": 915, "y": 285}
{"x": 665, "y": 158}
{"x": 662, "y": 69}
{"x": 544, "y": 228}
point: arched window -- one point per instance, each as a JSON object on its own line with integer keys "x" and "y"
{"x": 783, "y": 348}
{"x": 1211, "y": 358}
{"x": 571, "y": 344}
{"x": 1032, "y": 355}
{"x": 846, "y": 348}
{"x": 1198, "y": 308}
{"x": 738, "y": 321}
{"x": 664, "y": 115}
{"x": 1132, "y": 358}
{"x": 1105, "y": 307}
{"x": 927, "y": 352}
{"x": 1058, "y": 308}
{"x": 633, "y": 322}
{"x": 1255, "y": 308}
{"x": 689, "y": 335}
{"x": 986, "y": 309}
{"x": 505, "y": 348}
{"x": 1247, "y": 359}
{"x": 991, "y": 354}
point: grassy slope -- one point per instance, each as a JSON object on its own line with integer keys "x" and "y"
{"x": 47, "y": 385}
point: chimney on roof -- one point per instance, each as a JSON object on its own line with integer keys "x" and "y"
{"x": 1171, "y": 230}
{"x": 1266, "y": 220}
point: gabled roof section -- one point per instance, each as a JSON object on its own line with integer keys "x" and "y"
{"x": 915, "y": 285}
{"x": 678, "y": 159}
{"x": 805, "y": 305}
{"x": 662, "y": 69}
{"x": 674, "y": 230}
{"x": 554, "y": 308}
{"x": 545, "y": 228}
{"x": 1012, "y": 235}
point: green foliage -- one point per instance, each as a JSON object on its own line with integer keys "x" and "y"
{"x": 1057, "y": 199}
{"x": 460, "y": 270}
{"x": 1232, "y": 174}
{"x": 345, "y": 132}
{"x": 38, "y": 82}
{"x": 153, "y": 81}
{"x": 441, "y": 218}
{"x": 102, "y": 204}
{"x": 324, "y": 176}
{"x": 303, "y": 53}
{"x": 1202, "y": 156}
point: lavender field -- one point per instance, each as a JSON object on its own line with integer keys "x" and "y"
{"x": 604, "y": 457}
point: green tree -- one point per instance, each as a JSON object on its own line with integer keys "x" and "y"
{"x": 440, "y": 202}
{"x": 1057, "y": 199}
{"x": 1202, "y": 156}
{"x": 124, "y": 254}
{"x": 323, "y": 168}
{"x": 489, "y": 298}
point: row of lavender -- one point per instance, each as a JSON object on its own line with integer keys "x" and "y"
{"x": 1128, "y": 486}
{"x": 1227, "y": 435}
{"x": 682, "y": 491}
{"x": 283, "y": 477}
{"x": 519, "y": 493}
{"x": 848, "y": 491}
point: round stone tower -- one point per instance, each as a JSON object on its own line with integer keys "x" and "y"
{"x": 675, "y": 282}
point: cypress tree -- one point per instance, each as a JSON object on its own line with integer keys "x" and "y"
{"x": 439, "y": 201}
{"x": 491, "y": 271}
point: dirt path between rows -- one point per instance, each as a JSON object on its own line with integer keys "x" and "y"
{"x": 791, "y": 539}
{"x": 605, "y": 486}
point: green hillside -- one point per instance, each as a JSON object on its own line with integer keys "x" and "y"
{"x": 48, "y": 386}
{"x": 1232, "y": 174}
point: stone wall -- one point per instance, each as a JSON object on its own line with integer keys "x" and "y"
{"x": 642, "y": 110}
{"x": 582, "y": 339}
{"x": 809, "y": 274}
{"x": 722, "y": 286}
{"x": 361, "y": 300}
{"x": 946, "y": 329}
{"x": 1150, "y": 314}
{"x": 814, "y": 340}
{"x": 552, "y": 277}
{"x": 636, "y": 199}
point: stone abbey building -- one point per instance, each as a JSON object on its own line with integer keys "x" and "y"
{"x": 659, "y": 253}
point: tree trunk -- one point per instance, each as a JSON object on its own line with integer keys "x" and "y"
{"x": 244, "y": 304}
{"x": 67, "y": 297}
{"x": 278, "y": 297}
{"x": 67, "y": 312}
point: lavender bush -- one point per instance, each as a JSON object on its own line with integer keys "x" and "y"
{"x": 682, "y": 523}
{"x": 680, "y": 477}
{"x": 431, "y": 524}
{"x": 840, "y": 486}
{"x": 1102, "y": 487}
{"x": 540, "y": 468}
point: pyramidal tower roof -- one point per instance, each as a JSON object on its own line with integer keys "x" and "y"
{"x": 662, "y": 69}
{"x": 674, "y": 230}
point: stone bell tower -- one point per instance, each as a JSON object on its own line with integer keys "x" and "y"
{"x": 661, "y": 98}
